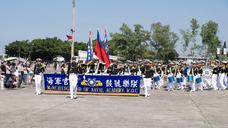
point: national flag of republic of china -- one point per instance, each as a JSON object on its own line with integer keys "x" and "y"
{"x": 101, "y": 52}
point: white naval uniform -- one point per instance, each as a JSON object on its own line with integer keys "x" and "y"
{"x": 2, "y": 82}
{"x": 214, "y": 79}
{"x": 157, "y": 83}
{"x": 180, "y": 85}
{"x": 38, "y": 80}
{"x": 198, "y": 83}
{"x": 226, "y": 81}
{"x": 170, "y": 79}
{"x": 162, "y": 79}
{"x": 221, "y": 80}
{"x": 38, "y": 69}
{"x": 147, "y": 86}
{"x": 192, "y": 83}
{"x": 73, "y": 80}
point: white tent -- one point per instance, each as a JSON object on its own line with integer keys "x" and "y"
{"x": 59, "y": 59}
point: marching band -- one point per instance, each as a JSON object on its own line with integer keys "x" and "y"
{"x": 191, "y": 77}
{"x": 199, "y": 75}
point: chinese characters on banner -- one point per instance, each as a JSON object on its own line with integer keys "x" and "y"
{"x": 94, "y": 83}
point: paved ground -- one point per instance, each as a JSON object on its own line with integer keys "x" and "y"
{"x": 21, "y": 108}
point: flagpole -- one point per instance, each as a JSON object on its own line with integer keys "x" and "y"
{"x": 73, "y": 29}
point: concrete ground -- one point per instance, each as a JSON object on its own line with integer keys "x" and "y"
{"x": 21, "y": 108}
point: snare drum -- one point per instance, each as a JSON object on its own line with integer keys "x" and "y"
{"x": 171, "y": 79}
{"x": 190, "y": 78}
{"x": 179, "y": 80}
{"x": 198, "y": 80}
{"x": 156, "y": 79}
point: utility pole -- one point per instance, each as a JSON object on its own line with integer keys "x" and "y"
{"x": 73, "y": 29}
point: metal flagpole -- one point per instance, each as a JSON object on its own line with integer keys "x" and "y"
{"x": 73, "y": 29}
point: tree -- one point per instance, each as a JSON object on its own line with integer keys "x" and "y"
{"x": 163, "y": 41}
{"x": 18, "y": 49}
{"x": 130, "y": 44}
{"x": 189, "y": 38}
{"x": 49, "y": 48}
{"x": 80, "y": 46}
{"x": 209, "y": 37}
{"x": 46, "y": 49}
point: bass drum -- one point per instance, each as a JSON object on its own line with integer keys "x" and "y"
{"x": 207, "y": 72}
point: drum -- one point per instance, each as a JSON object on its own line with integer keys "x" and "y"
{"x": 156, "y": 78}
{"x": 190, "y": 78}
{"x": 198, "y": 80}
{"x": 179, "y": 80}
{"x": 171, "y": 79}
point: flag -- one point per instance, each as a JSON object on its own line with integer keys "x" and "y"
{"x": 69, "y": 37}
{"x": 105, "y": 57}
{"x": 101, "y": 52}
{"x": 98, "y": 47}
{"x": 106, "y": 41}
{"x": 89, "y": 57}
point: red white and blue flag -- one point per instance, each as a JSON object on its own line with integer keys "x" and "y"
{"x": 101, "y": 52}
{"x": 89, "y": 57}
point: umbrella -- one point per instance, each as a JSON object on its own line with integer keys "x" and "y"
{"x": 11, "y": 59}
{"x": 59, "y": 59}
{"x": 22, "y": 60}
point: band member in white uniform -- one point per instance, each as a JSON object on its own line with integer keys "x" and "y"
{"x": 157, "y": 80}
{"x": 180, "y": 81}
{"x": 191, "y": 80}
{"x": 38, "y": 72}
{"x": 170, "y": 81}
{"x": 147, "y": 82}
{"x": 214, "y": 78}
{"x": 2, "y": 86}
{"x": 73, "y": 78}
{"x": 221, "y": 79}
{"x": 226, "y": 76}
{"x": 198, "y": 81}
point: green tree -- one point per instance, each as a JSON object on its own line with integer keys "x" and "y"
{"x": 163, "y": 41}
{"x": 18, "y": 49}
{"x": 130, "y": 44}
{"x": 189, "y": 38}
{"x": 80, "y": 46}
{"x": 209, "y": 37}
{"x": 46, "y": 49}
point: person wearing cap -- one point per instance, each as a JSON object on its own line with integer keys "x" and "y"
{"x": 73, "y": 78}
{"x": 156, "y": 79}
{"x": 147, "y": 81}
{"x": 2, "y": 86}
{"x": 170, "y": 80}
{"x": 191, "y": 80}
{"x": 214, "y": 77}
{"x": 179, "y": 80}
{"x": 221, "y": 78}
{"x": 198, "y": 80}
{"x": 38, "y": 71}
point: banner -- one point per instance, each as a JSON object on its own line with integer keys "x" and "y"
{"x": 94, "y": 83}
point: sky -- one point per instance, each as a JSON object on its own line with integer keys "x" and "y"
{"x": 31, "y": 19}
